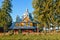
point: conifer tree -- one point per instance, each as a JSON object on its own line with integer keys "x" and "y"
{"x": 5, "y": 17}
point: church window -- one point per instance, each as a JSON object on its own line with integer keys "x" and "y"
{"x": 22, "y": 24}
{"x": 17, "y": 24}
{"x": 31, "y": 24}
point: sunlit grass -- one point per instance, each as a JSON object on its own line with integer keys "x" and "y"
{"x": 31, "y": 37}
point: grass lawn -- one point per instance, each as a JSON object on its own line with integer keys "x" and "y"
{"x": 31, "y": 37}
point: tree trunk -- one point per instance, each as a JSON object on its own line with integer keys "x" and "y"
{"x": 49, "y": 29}
{"x": 4, "y": 30}
{"x": 44, "y": 29}
{"x": 58, "y": 27}
{"x": 54, "y": 29}
{"x": 37, "y": 28}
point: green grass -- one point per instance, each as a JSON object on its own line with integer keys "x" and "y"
{"x": 31, "y": 37}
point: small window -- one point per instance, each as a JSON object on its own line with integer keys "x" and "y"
{"x": 27, "y": 24}
{"x": 31, "y": 24}
{"x": 21, "y": 24}
{"x": 17, "y": 24}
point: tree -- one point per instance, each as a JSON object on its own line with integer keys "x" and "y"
{"x": 45, "y": 12}
{"x": 5, "y": 17}
{"x": 54, "y": 16}
{"x": 41, "y": 11}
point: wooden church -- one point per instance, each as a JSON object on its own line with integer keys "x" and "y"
{"x": 24, "y": 24}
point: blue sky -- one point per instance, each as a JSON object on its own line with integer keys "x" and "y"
{"x": 19, "y": 7}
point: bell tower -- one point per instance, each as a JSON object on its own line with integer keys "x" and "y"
{"x": 26, "y": 16}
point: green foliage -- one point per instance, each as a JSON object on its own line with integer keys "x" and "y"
{"x": 5, "y": 17}
{"x": 46, "y": 12}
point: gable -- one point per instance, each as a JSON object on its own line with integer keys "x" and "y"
{"x": 26, "y": 19}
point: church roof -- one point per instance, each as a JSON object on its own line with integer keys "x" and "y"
{"x": 18, "y": 20}
{"x": 12, "y": 26}
{"x": 22, "y": 27}
{"x": 27, "y": 14}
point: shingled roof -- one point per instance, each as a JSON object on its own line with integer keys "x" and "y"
{"x": 18, "y": 20}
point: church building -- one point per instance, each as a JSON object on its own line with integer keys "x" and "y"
{"x": 24, "y": 24}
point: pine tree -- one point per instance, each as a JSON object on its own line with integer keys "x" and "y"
{"x": 5, "y": 17}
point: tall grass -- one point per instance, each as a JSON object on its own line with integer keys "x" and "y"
{"x": 31, "y": 37}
